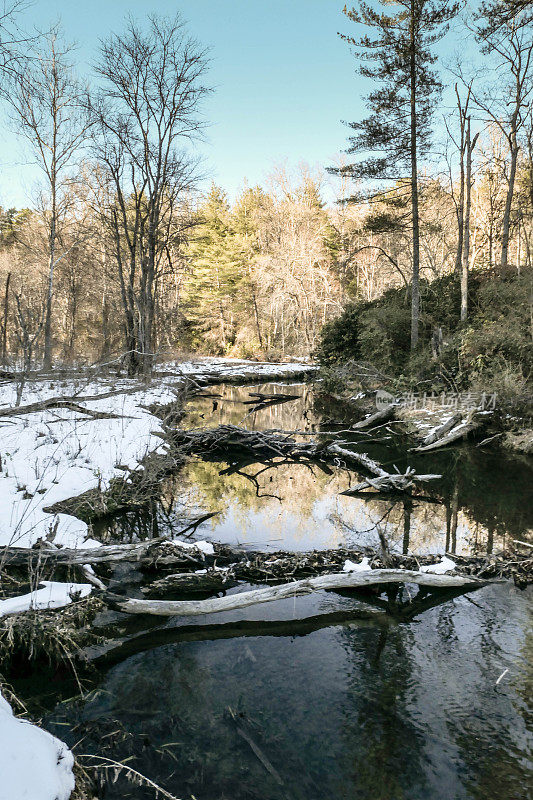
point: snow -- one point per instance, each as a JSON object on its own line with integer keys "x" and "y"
{"x": 351, "y": 566}
{"x": 55, "y": 454}
{"x": 34, "y": 765}
{"x": 52, "y": 595}
{"x": 446, "y": 565}
{"x": 205, "y": 547}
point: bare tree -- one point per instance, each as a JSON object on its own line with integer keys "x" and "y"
{"x": 45, "y": 99}
{"x": 148, "y": 107}
{"x": 506, "y": 102}
{"x": 13, "y": 42}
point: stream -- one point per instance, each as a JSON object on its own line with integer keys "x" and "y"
{"x": 357, "y": 704}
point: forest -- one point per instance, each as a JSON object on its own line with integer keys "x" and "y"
{"x": 266, "y": 521}
{"x": 124, "y": 258}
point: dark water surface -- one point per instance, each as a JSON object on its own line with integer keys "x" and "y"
{"x": 362, "y": 710}
{"x": 354, "y": 705}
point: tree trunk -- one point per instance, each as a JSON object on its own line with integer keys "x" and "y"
{"x": 415, "y": 287}
{"x": 461, "y": 204}
{"x": 506, "y": 222}
{"x": 6, "y": 317}
{"x": 47, "y": 356}
{"x": 466, "y": 247}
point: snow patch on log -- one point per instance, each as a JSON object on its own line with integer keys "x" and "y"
{"x": 444, "y": 566}
{"x": 53, "y": 594}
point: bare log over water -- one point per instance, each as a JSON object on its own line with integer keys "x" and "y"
{"x": 380, "y": 416}
{"x": 441, "y": 430}
{"x": 471, "y": 423}
{"x": 344, "y": 580}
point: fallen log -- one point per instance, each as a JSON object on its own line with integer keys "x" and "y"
{"x": 332, "y": 581}
{"x": 55, "y": 402}
{"x": 384, "y": 481}
{"x": 380, "y": 416}
{"x": 152, "y": 552}
{"x": 440, "y": 430}
{"x": 204, "y": 582}
{"x": 228, "y": 442}
{"x": 456, "y": 433}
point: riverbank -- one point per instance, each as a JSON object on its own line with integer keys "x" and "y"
{"x": 301, "y": 481}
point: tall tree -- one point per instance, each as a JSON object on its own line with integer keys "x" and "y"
{"x": 45, "y": 100}
{"x": 398, "y": 128}
{"x": 146, "y": 112}
{"x": 506, "y": 99}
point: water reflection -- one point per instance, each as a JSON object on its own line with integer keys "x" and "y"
{"x": 351, "y": 711}
{"x": 482, "y": 502}
{"x": 391, "y": 696}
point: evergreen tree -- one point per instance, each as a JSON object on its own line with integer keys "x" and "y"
{"x": 217, "y": 259}
{"x": 398, "y": 56}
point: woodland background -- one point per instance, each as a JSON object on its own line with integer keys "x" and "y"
{"x": 123, "y": 259}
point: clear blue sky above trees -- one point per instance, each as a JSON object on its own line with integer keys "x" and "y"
{"x": 283, "y": 81}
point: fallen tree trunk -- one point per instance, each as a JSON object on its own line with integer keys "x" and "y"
{"x": 456, "y": 433}
{"x": 380, "y": 416}
{"x": 256, "y": 566}
{"x": 384, "y": 480}
{"x": 440, "y": 430}
{"x": 55, "y": 402}
{"x": 204, "y": 582}
{"x": 153, "y": 552}
{"x": 228, "y": 443}
{"x": 333, "y": 581}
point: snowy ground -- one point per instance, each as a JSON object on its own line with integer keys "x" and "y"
{"x": 34, "y": 765}
{"x": 55, "y": 454}
{"x": 51, "y": 455}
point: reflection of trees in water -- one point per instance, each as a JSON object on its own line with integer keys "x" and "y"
{"x": 492, "y": 491}
{"x": 423, "y": 707}
{"x": 383, "y": 750}
{"x": 481, "y": 499}
{"x": 230, "y": 408}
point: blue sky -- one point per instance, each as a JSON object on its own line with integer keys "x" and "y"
{"x": 283, "y": 81}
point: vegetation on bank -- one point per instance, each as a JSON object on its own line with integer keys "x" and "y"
{"x": 491, "y": 352}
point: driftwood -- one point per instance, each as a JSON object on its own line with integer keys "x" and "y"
{"x": 458, "y": 432}
{"x": 334, "y": 581}
{"x": 380, "y": 416}
{"x": 56, "y": 402}
{"x": 150, "y": 553}
{"x": 205, "y": 582}
{"x": 441, "y": 430}
{"x": 256, "y": 566}
{"x": 384, "y": 480}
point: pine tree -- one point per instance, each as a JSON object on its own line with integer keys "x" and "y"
{"x": 398, "y": 56}
{"x": 217, "y": 259}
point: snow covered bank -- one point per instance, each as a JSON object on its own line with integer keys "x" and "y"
{"x": 53, "y": 454}
{"x": 34, "y": 765}
{"x": 53, "y": 594}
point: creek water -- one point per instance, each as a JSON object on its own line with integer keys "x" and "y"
{"x": 324, "y": 696}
